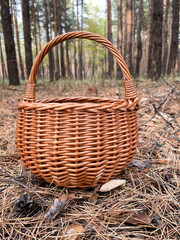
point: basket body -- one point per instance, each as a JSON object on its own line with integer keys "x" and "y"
{"x": 76, "y": 142}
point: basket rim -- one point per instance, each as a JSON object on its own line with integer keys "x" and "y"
{"x": 80, "y": 103}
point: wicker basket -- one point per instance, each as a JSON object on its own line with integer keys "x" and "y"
{"x": 78, "y": 141}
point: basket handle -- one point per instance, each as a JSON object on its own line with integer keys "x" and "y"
{"x": 130, "y": 91}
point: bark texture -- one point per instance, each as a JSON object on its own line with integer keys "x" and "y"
{"x": 27, "y": 35}
{"x": 174, "y": 36}
{"x": 9, "y": 44}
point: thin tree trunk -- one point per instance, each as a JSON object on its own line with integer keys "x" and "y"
{"x": 139, "y": 41}
{"x": 39, "y": 40}
{"x": 149, "y": 40}
{"x": 18, "y": 44}
{"x": 3, "y": 67}
{"x": 63, "y": 68}
{"x": 67, "y": 43}
{"x": 157, "y": 15}
{"x": 27, "y": 35}
{"x": 75, "y": 61}
{"x": 119, "y": 36}
{"x": 81, "y": 62}
{"x": 134, "y": 24}
{"x": 79, "y": 44}
{"x": 9, "y": 44}
{"x": 34, "y": 25}
{"x": 50, "y": 53}
{"x": 57, "y": 69}
{"x": 164, "y": 38}
{"x": 109, "y": 22}
{"x": 174, "y": 37}
{"x": 128, "y": 37}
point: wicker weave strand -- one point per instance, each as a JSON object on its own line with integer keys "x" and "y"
{"x": 77, "y": 141}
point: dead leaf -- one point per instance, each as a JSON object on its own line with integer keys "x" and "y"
{"x": 140, "y": 218}
{"x": 150, "y": 124}
{"x": 139, "y": 164}
{"x": 73, "y": 232}
{"x": 111, "y": 185}
{"x": 59, "y": 204}
{"x": 93, "y": 198}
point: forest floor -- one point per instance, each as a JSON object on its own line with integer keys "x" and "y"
{"x": 147, "y": 207}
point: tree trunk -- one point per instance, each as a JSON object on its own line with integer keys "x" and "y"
{"x": 34, "y": 25}
{"x": 75, "y": 61}
{"x": 109, "y": 22}
{"x": 50, "y": 53}
{"x": 174, "y": 36}
{"x": 149, "y": 40}
{"x": 134, "y": 25}
{"x": 9, "y": 44}
{"x": 79, "y": 44}
{"x": 128, "y": 36}
{"x": 157, "y": 15}
{"x": 164, "y": 38}
{"x": 41, "y": 68}
{"x": 81, "y": 60}
{"x": 57, "y": 69}
{"x": 3, "y": 67}
{"x": 119, "y": 36}
{"x": 18, "y": 44}
{"x": 27, "y": 35}
{"x": 63, "y": 68}
{"x": 139, "y": 41}
{"x": 67, "y": 43}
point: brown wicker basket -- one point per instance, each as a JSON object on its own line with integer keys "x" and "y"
{"x": 78, "y": 141}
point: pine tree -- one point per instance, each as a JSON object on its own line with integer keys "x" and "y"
{"x": 9, "y": 44}
{"x": 139, "y": 41}
{"x": 27, "y": 35}
{"x": 109, "y": 22}
{"x": 174, "y": 36}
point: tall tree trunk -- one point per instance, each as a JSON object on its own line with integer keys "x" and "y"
{"x": 128, "y": 32}
{"x": 50, "y": 53}
{"x": 12, "y": 13}
{"x": 63, "y": 68}
{"x": 57, "y": 69}
{"x": 34, "y": 26}
{"x": 67, "y": 43}
{"x": 3, "y": 67}
{"x": 27, "y": 35}
{"x": 109, "y": 22}
{"x": 149, "y": 40}
{"x": 18, "y": 44}
{"x": 9, "y": 44}
{"x": 75, "y": 60}
{"x": 164, "y": 38}
{"x": 79, "y": 43}
{"x": 119, "y": 36}
{"x": 139, "y": 41}
{"x": 41, "y": 69}
{"x": 81, "y": 60}
{"x": 157, "y": 15}
{"x": 134, "y": 25}
{"x": 174, "y": 37}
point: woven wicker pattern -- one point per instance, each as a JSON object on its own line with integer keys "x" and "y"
{"x": 77, "y": 142}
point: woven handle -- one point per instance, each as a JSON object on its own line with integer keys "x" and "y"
{"x": 130, "y": 92}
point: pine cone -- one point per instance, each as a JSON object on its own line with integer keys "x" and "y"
{"x": 27, "y": 205}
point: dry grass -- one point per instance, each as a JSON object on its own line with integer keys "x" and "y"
{"x": 154, "y": 189}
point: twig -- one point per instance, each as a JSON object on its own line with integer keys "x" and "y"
{"x": 157, "y": 108}
{"x": 155, "y": 144}
{"x": 19, "y": 183}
